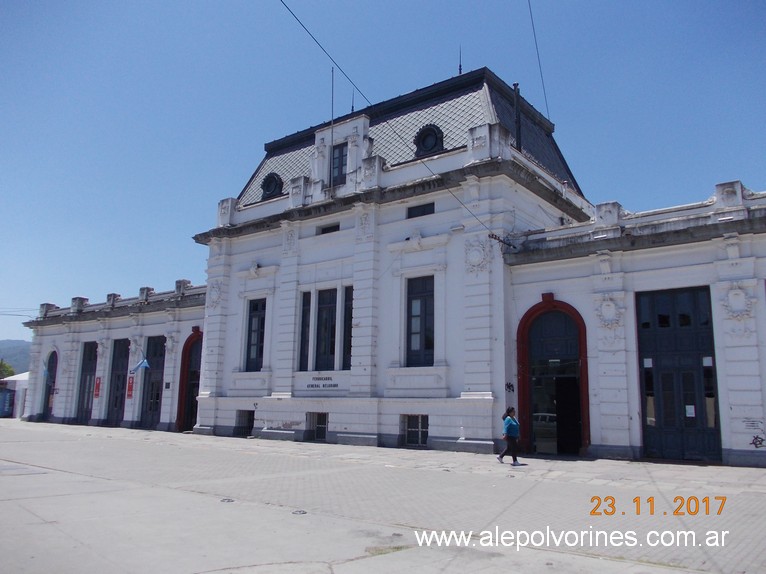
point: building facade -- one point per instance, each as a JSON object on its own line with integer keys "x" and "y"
{"x": 647, "y": 323}
{"x": 127, "y": 362}
{"x": 400, "y": 275}
{"x": 354, "y": 293}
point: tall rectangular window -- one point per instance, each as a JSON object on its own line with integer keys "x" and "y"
{"x": 325, "y": 331}
{"x": 256, "y": 332}
{"x": 348, "y": 307}
{"x": 303, "y": 361}
{"x": 420, "y": 322}
{"x": 339, "y": 164}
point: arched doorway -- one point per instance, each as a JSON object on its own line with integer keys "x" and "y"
{"x": 50, "y": 385}
{"x": 553, "y": 379}
{"x": 191, "y": 361}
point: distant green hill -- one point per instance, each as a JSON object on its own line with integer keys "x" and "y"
{"x": 16, "y": 354}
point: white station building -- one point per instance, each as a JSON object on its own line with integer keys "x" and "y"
{"x": 400, "y": 275}
{"x": 126, "y": 362}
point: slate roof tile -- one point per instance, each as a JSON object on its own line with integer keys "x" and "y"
{"x": 475, "y": 99}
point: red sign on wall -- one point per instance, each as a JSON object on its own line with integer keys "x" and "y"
{"x": 97, "y": 388}
{"x": 130, "y": 387}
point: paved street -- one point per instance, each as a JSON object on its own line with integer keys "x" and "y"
{"x": 93, "y": 500}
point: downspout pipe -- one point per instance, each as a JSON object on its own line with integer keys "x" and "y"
{"x": 517, "y": 108}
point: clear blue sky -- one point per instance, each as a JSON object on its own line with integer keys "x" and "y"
{"x": 122, "y": 124}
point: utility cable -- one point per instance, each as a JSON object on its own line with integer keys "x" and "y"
{"x": 539, "y": 65}
{"x": 342, "y": 71}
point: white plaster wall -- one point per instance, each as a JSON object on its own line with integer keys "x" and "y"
{"x": 68, "y": 341}
{"x": 615, "y": 414}
{"x": 463, "y": 393}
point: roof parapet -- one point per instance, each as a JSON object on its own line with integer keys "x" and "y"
{"x": 78, "y": 305}
{"x": 185, "y": 294}
{"x": 732, "y": 208}
{"x": 46, "y": 308}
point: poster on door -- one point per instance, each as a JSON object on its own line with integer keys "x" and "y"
{"x": 130, "y": 387}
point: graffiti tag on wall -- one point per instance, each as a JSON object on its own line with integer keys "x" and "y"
{"x": 759, "y": 438}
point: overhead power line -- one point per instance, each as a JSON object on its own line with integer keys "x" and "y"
{"x": 342, "y": 71}
{"x": 539, "y": 65}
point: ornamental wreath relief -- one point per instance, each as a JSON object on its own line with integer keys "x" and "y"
{"x": 478, "y": 254}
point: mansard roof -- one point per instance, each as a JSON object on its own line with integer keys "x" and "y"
{"x": 455, "y": 105}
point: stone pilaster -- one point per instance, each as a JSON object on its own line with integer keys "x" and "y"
{"x": 287, "y": 305}
{"x": 33, "y": 403}
{"x": 734, "y": 298}
{"x": 169, "y": 406}
{"x": 611, "y": 394}
{"x": 366, "y": 302}
{"x": 214, "y": 341}
{"x": 68, "y": 378}
{"x": 132, "y": 411}
{"x": 103, "y": 356}
{"x": 478, "y": 317}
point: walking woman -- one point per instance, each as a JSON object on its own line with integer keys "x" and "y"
{"x": 510, "y": 435}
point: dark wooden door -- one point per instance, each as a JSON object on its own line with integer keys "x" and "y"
{"x": 187, "y": 401}
{"x": 87, "y": 381}
{"x": 554, "y": 360}
{"x": 678, "y": 381}
{"x": 118, "y": 381}
{"x": 151, "y": 398}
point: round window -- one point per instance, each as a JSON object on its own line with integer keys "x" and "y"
{"x": 429, "y": 140}
{"x": 271, "y": 186}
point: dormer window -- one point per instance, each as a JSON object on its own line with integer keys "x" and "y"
{"x": 339, "y": 164}
{"x": 429, "y": 140}
{"x": 271, "y": 186}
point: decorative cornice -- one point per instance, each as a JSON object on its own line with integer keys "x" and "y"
{"x": 513, "y": 169}
{"x": 535, "y": 252}
{"x": 188, "y": 301}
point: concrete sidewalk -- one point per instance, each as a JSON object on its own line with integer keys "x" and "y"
{"x": 90, "y": 499}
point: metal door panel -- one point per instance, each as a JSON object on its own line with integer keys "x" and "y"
{"x": 678, "y": 386}
{"x": 151, "y": 397}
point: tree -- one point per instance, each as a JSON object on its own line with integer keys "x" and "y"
{"x": 6, "y": 370}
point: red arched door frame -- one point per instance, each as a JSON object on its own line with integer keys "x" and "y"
{"x": 183, "y": 386}
{"x": 548, "y": 304}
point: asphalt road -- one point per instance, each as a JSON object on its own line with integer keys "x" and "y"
{"x": 93, "y": 500}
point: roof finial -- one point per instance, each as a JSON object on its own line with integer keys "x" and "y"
{"x": 460, "y": 61}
